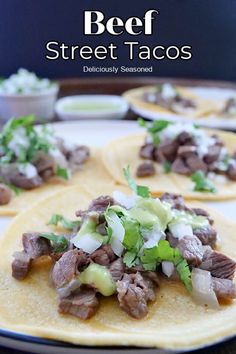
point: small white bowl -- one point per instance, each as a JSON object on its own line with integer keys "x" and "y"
{"x": 91, "y": 107}
{"x": 17, "y": 105}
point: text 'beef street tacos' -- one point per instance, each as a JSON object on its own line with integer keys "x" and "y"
{"x": 157, "y": 256}
{"x": 178, "y": 157}
{"x": 34, "y": 162}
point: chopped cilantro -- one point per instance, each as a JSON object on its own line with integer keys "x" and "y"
{"x": 202, "y": 183}
{"x": 59, "y": 242}
{"x": 130, "y": 259}
{"x": 62, "y": 172}
{"x": 142, "y": 123}
{"x": 167, "y": 167}
{"x": 159, "y": 125}
{"x": 152, "y": 257}
{"x": 142, "y": 191}
{"x": 65, "y": 222}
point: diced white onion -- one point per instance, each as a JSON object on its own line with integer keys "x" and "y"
{"x": 117, "y": 227}
{"x": 59, "y": 158}
{"x": 19, "y": 141}
{"x": 167, "y": 268}
{"x": 168, "y": 91}
{"x": 117, "y": 246}
{"x": 124, "y": 200}
{"x": 87, "y": 243}
{"x": 28, "y": 170}
{"x": 203, "y": 292}
{"x": 179, "y": 230}
{"x": 152, "y": 237}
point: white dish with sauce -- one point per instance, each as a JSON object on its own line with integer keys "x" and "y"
{"x": 91, "y": 107}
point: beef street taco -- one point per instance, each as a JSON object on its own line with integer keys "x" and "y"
{"x": 170, "y": 99}
{"x": 177, "y": 157}
{"x": 128, "y": 270}
{"x": 35, "y": 163}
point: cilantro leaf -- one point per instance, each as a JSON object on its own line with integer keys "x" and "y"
{"x": 59, "y": 242}
{"x": 66, "y": 223}
{"x": 62, "y": 172}
{"x": 152, "y": 257}
{"x": 167, "y": 167}
{"x": 142, "y": 191}
{"x": 142, "y": 123}
{"x": 130, "y": 259}
{"x": 159, "y": 125}
{"x": 202, "y": 183}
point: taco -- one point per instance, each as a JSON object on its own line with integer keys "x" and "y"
{"x": 170, "y": 99}
{"x": 178, "y": 157}
{"x": 129, "y": 269}
{"x": 34, "y": 163}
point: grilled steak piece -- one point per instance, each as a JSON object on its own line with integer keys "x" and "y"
{"x": 173, "y": 241}
{"x": 145, "y": 169}
{"x": 224, "y": 288}
{"x": 5, "y": 194}
{"x": 231, "y": 172}
{"x": 185, "y": 138}
{"x": 175, "y": 200}
{"x": 99, "y": 205}
{"x": 11, "y": 174}
{"x": 213, "y": 154}
{"x": 180, "y": 166}
{"x": 185, "y": 151}
{"x": 45, "y": 165}
{"x": 166, "y": 151}
{"x": 35, "y": 246}
{"x": 76, "y": 157}
{"x": 219, "y": 265}
{"x": 133, "y": 294}
{"x": 195, "y": 163}
{"x": 20, "y": 265}
{"x": 67, "y": 267}
{"x": 207, "y": 236}
{"x": 117, "y": 269}
{"x": 104, "y": 255}
{"x": 81, "y": 303}
{"x": 191, "y": 249}
{"x": 146, "y": 151}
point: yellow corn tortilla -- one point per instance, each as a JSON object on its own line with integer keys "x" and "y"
{"x": 204, "y": 106}
{"x": 91, "y": 169}
{"x": 174, "y": 320}
{"x": 124, "y": 152}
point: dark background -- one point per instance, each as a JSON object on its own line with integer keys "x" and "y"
{"x": 209, "y": 26}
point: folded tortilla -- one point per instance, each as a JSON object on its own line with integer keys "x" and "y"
{"x": 174, "y": 320}
{"x": 124, "y": 152}
{"x": 26, "y": 198}
{"x": 204, "y": 106}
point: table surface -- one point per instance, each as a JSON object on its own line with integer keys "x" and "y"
{"x": 117, "y": 86}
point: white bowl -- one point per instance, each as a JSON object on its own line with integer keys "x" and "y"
{"x": 91, "y": 107}
{"x": 17, "y": 105}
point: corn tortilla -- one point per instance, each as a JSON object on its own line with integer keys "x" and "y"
{"x": 125, "y": 152}
{"x": 174, "y": 320}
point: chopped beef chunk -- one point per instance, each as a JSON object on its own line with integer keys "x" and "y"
{"x": 191, "y": 249}
{"x": 11, "y": 174}
{"x": 219, "y": 265}
{"x": 213, "y": 154}
{"x": 150, "y": 288}
{"x": 146, "y": 151}
{"x": 231, "y": 172}
{"x": 67, "y": 267}
{"x": 117, "y": 269}
{"x": 175, "y": 200}
{"x": 45, "y": 165}
{"x": 81, "y": 303}
{"x": 35, "y": 246}
{"x": 99, "y": 205}
{"x": 153, "y": 276}
{"x": 166, "y": 151}
{"x": 195, "y": 163}
{"x": 230, "y": 107}
{"x": 5, "y": 194}
{"x": 224, "y": 288}
{"x": 180, "y": 166}
{"x": 207, "y": 236}
{"x": 185, "y": 151}
{"x": 20, "y": 265}
{"x": 145, "y": 169}
{"x": 104, "y": 255}
{"x": 133, "y": 294}
{"x": 76, "y": 157}
{"x": 173, "y": 241}
{"x": 185, "y": 138}
{"x": 202, "y": 212}
{"x": 69, "y": 288}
